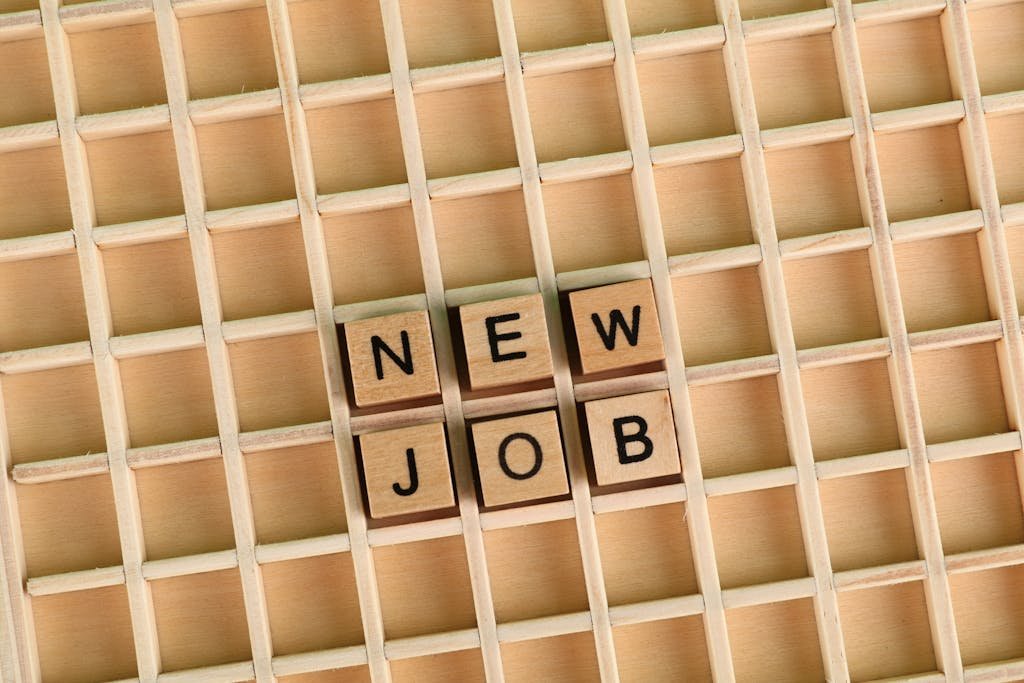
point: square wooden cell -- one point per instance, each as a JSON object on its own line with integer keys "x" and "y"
{"x": 739, "y": 426}
{"x": 941, "y": 282}
{"x": 41, "y": 303}
{"x": 262, "y": 271}
{"x": 296, "y": 493}
{"x": 989, "y": 621}
{"x": 279, "y": 382}
{"x": 575, "y": 114}
{"x": 832, "y": 299}
{"x": 904, "y": 64}
{"x": 373, "y": 255}
{"x": 886, "y": 631}
{"x": 777, "y": 641}
{"x": 978, "y": 502}
{"x": 17, "y": 6}
{"x": 352, "y": 674}
{"x": 757, "y": 537}
{"x": 721, "y": 316}
{"x": 312, "y": 604}
{"x": 796, "y": 80}
{"x": 561, "y": 659}
{"x": 1006, "y": 143}
{"x": 547, "y": 25}
{"x": 85, "y": 636}
{"x": 685, "y": 97}
{"x": 813, "y": 189}
{"x": 922, "y": 173}
{"x": 200, "y": 620}
{"x": 151, "y": 287}
{"x": 466, "y": 130}
{"x": 647, "y": 17}
{"x": 862, "y": 422}
{"x": 53, "y": 414}
{"x": 672, "y": 650}
{"x": 134, "y": 178}
{"x": 868, "y": 520}
{"x": 592, "y": 223}
{"x": 462, "y": 665}
{"x": 759, "y": 9}
{"x": 645, "y": 554}
{"x": 703, "y": 206}
{"x": 337, "y": 39}
{"x": 168, "y": 397}
{"x": 960, "y": 392}
{"x": 117, "y": 68}
{"x": 245, "y": 162}
{"x": 228, "y": 53}
{"x": 356, "y": 145}
{"x": 483, "y": 239}
{"x": 424, "y": 587}
{"x": 68, "y": 525}
{"x": 24, "y": 70}
{"x": 185, "y": 509}
{"x": 535, "y": 570}
{"x": 468, "y": 29}
{"x": 997, "y": 34}
{"x": 33, "y": 192}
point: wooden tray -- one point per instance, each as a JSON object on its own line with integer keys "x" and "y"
{"x": 828, "y": 201}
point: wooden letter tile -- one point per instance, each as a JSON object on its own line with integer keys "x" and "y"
{"x": 506, "y": 341}
{"x": 616, "y": 326}
{"x": 632, "y": 437}
{"x": 392, "y": 358}
{"x": 407, "y": 470}
{"x": 520, "y": 458}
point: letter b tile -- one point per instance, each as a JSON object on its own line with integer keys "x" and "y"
{"x": 520, "y": 458}
{"x": 391, "y": 358}
{"x": 407, "y": 470}
{"x": 632, "y": 437}
{"x": 506, "y": 341}
{"x": 616, "y": 326}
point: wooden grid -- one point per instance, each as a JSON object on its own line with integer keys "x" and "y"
{"x": 958, "y": 581}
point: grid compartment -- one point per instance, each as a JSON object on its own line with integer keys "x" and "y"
{"x": 117, "y": 68}
{"x": 978, "y": 502}
{"x": 777, "y": 641}
{"x": 462, "y": 665}
{"x": 547, "y": 25}
{"x": 1006, "y": 142}
{"x": 335, "y": 40}
{"x": 134, "y": 178}
{"x": 228, "y": 53}
{"x": 674, "y": 649}
{"x": 904, "y": 64}
{"x": 756, "y": 9}
{"x": 33, "y": 193}
{"x": 998, "y": 48}
{"x": 796, "y": 81}
{"x": 922, "y": 173}
{"x": 660, "y": 16}
{"x": 703, "y": 206}
{"x": 685, "y": 97}
{"x": 468, "y": 28}
{"x": 561, "y": 659}
{"x": 41, "y": 303}
{"x": 990, "y": 625}
{"x": 24, "y": 70}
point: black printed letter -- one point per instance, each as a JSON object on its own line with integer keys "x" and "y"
{"x": 414, "y": 478}
{"x": 493, "y": 338}
{"x": 405, "y": 362}
{"x": 616, "y": 320}
{"x": 621, "y": 439}
{"x": 538, "y": 457}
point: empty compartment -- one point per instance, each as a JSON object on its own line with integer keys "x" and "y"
{"x": 813, "y": 189}
{"x": 373, "y": 255}
{"x": 1006, "y": 143}
{"x": 134, "y": 178}
{"x": 645, "y": 554}
{"x": 468, "y": 31}
{"x": 17, "y": 6}
{"x": 978, "y": 502}
{"x": 245, "y": 162}
{"x": 312, "y": 604}
{"x": 904, "y": 64}
{"x": 777, "y": 641}
{"x": 671, "y": 650}
{"x": 295, "y": 493}
{"x": 757, "y": 537}
{"x": 462, "y": 665}
{"x": 648, "y": 17}
{"x": 33, "y": 191}
{"x": 703, "y": 206}
{"x": 168, "y": 397}
{"x": 352, "y": 674}
{"x": 941, "y": 283}
{"x": 151, "y": 286}
{"x": 200, "y": 620}
{"x": 547, "y": 25}
{"x": 337, "y": 39}
{"x": 592, "y": 223}
{"x": 575, "y": 114}
{"x": 466, "y": 130}
{"x": 721, "y": 316}
{"x": 356, "y": 145}
{"x": 424, "y": 587}
{"x": 887, "y": 632}
{"x": 185, "y": 509}
{"x": 279, "y": 382}
{"x": 868, "y": 520}
{"x": 262, "y": 271}
{"x": 228, "y": 53}
{"x": 536, "y": 571}
{"x": 117, "y": 68}
{"x": 832, "y": 299}
{"x": 759, "y": 9}
{"x": 960, "y": 393}
{"x": 685, "y": 97}
{"x": 739, "y": 426}
{"x": 989, "y": 621}
{"x": 922, "y": 173}
{"x": 53, "y": 414}
{"x": 998, "y": 42}
{"x": 795, "y": 81}
{"x": 850, "y": 409}
{"x": 560, "y": 659}
{"x": 41, "y": 303}
{"x": 24, "y": 70}
{"x": 84, "y": 636}
{"x": 68, "y": 525}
